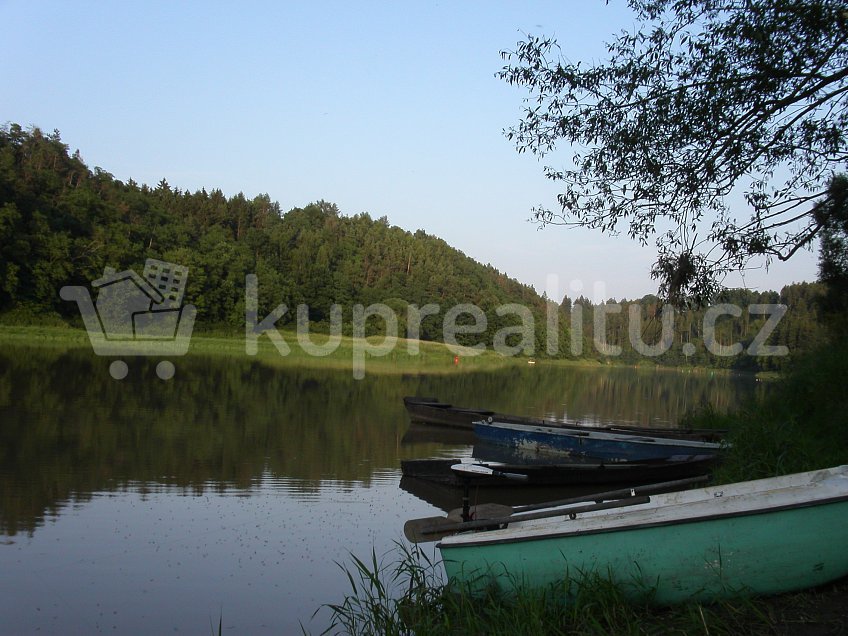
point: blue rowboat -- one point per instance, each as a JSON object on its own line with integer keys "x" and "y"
{"x": 600, "y": 443}
{"x": 767, "y": 536}
{"x": 430, "y": 410}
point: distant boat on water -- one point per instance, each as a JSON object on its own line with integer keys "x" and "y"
{"x": 592, "y": 442}
{"x": 430, "y": 410}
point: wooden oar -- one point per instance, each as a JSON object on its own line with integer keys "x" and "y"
{"x": 487, "y": 514}
{"x": 480, "y": 511}
{"x": 435, "y": 528}
{"x": 617, "y": 494}
{"x": 492, "y": 510}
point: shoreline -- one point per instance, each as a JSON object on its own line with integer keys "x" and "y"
{"x": 429, "y": 358}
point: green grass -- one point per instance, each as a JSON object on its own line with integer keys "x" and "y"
{"x": 405, "y": 357}
{"x": 803, "y": 425}
{"x": 403, "y": 593}
{"x": 43, "y": 336}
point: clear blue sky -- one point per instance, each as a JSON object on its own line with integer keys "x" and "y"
{"x": 387, "y": 108}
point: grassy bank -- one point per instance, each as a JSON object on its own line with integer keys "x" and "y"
{"x": 404, "y": 593}
{"x": 802, "y": 425}
{"x": 406, "y": 356}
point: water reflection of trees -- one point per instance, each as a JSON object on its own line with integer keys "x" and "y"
{"x": 69, "y": 430}
{"x": 596, "y": 395}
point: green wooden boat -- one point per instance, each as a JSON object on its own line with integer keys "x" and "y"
{"x": 751, "y": 538}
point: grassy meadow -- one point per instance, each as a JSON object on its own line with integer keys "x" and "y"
{"x": 374, "y": 353}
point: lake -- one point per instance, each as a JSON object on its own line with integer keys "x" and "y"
{"x": 234, "y": 489}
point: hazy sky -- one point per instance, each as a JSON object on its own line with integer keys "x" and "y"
{"x": 387, "y": 108}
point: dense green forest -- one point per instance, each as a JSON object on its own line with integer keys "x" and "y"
{"x": 61, "y": 223}
{"x": 799, "y": 329}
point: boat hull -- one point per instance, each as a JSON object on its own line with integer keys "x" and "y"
{"x": 767, "y": 551}
{"x": 592, "y": 443}
{"x": 429, "y": 410}
{"x": 564, "y": 474}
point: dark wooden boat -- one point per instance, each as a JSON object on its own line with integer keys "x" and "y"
{"x": 564, "y": 473}
{"x": 430, "y": 410}
{"x": 511, "y": 493}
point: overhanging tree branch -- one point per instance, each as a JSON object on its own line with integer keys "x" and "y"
{"x": 703, "y": 94}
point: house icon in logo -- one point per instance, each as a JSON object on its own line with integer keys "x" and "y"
{"x": 137, "y": 315}
{"x": 119, "y": 298}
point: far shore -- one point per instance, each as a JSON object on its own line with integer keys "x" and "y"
{"x": 427, "y": 357}
{"x": 408, "y": 356}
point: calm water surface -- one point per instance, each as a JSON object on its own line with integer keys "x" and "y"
{"x": 143, "y": 506}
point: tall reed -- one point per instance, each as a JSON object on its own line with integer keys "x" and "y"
{"x": 404, "y": 593}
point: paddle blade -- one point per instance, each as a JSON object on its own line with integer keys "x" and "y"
{"x": 427, "y": 529}
{"x": 435, "y": 528}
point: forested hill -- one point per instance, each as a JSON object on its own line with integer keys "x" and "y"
{"x": 61, "y": 223}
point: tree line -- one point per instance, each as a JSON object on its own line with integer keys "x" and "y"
{"x": 703, "y": 336}
{"x": 62, "y": 223}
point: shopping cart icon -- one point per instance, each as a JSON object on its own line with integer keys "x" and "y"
{"x": 137, "y": 315}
